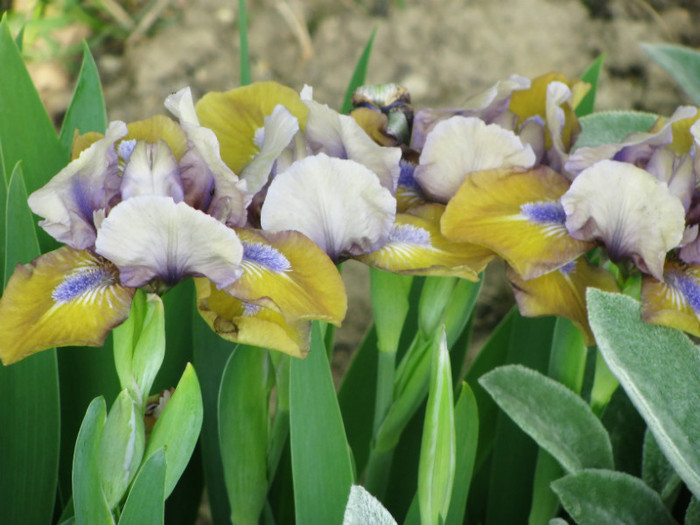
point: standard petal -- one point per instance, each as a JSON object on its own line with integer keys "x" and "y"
{"x": 236, "y": 115}
{"x": 65, "y": 297}
{"x": 416, "y": 247}
{"x": 675, "y": 301}
{"x": 249, "y": 324}
{"x": 87, "y": 184}
{"x": 462, "y": 145}
{"x": 209, "y": 184}
{"x": 515, "y": 213}
{"x": 280, "y": 128}
{"x": 339, "y": 204}
{"x": 152, "y": 170}
{"x": 640, "y": 218}
{"x": 153, "y": 237}
{"x": 340, "y": 136}
{"x": 562, "y": 292}
{"x": 287, "y": 272}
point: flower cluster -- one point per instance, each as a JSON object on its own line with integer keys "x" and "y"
{"x": 259, "y": 191}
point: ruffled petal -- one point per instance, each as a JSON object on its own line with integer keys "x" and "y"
{"x": 462, "y": 145}
{"x": 339, "y": 204}
{"x": 89, "y": 183}
{"x": 562, "y": 292}
{"x": 340, "y": 136}
{"x": 628, "y": 210}
{"x": 157, "y": 128}
{"x": 516, "y": 214}
{"x": 416, "y": 247}
{"x": 65, "y": 297}
{"x": 288, "y": 273}
{"x": 153, "y": 237}
{"x": 236, "y": 115}
{"x": 249, "y": 324}
{"x": 675, "y": 301}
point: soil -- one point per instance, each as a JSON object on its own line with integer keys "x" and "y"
{"x": 441, "y": 50}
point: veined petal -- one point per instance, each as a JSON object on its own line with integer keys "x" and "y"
{"x": 65, "y": 297}
{"x": 149, "y": 237}
{"x": 339, "y": 204}
{"x": 236, "y": 115}
{"x": 408, "y": 192}
{"x": 462, "y": 145}
{"x": 340, "y": 136}
{"x": 87, "y": 184}
{"x": 250, "y": 324}
{"x": 675, "y": 301}
{"x": 562, "y": 292}
{"x": 288, "y": 273}
{"x": 516, "y": 214}
{"x": 640, "y": 219}
{"x": 416, "y": 247}
{"x": 209, "y": 183}
{"x": 152, "y": 170}
{"x": 280, "y": 128}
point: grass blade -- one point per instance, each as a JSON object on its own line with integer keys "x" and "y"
{"x": 359, "y": 74}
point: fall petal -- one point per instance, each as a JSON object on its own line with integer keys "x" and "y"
{"x": 675, "y": 301}
{"x": 65, "y": 297}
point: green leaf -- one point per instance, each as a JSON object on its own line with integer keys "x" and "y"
{"x": 26, "y": 131}
{"x": 682, "y": 63}
{"x": 591, "y": 75}
{"x": 609, "y": 127}
{"x": 244, "y": 54}
{"x": 593, "y": 497}
{"x": 86, "y": 111}
{"x": 29, "y": 417}
{"x": 657, "y": 472}
{"x": 363, "y": 509}
{"x": 390, "y": 306}
{"x": 243, "y": 431}
{"x": 359, "y": 74}
{"x": 177, "y": 428}
{"x": 626, "y": 430}
{"x": 692, "y": 513}
{"x": 88, "y": 499}
{"x": 145, "y": 501}
{"x": 121, "y": 447}
{"x": 556, "y": 418}
{"x": 211, "y": 353}
{"x": 659, "y": 368}
{"x": 436, "y": 467}
{"x": 320, "y": 455}
{"x": 466, "y": 434}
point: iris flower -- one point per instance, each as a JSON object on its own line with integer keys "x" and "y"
{"x": 144, "y": 206}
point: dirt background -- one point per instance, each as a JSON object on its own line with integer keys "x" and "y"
{"x": 441, "y": 50}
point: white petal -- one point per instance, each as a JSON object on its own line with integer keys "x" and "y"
{"x": 461, "y": 145}
{"x": 558, "y": 93}
{"x": 339, "y": 204}
{"x": 152, "y": 236}
{"x": 280, "y": 128}
{"x": 152, "y": 170}
{"x": 87, "y": 184}
{"x": 629, "y": 210}
{"x": 340, "y": 136}
{"x": 181, "y": 105}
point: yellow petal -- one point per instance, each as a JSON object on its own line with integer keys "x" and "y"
{"x": 683, "y": 140}
{"x": 236, "y": 115}
{"x": 65, "y": 297}
{"x": 158, "y": 128}
{"x": 374, "y": 124}
{"x": 416, "y": 247}
{"x": 675, "y": 301}
{"x": 488, "y": 210}
{"x": 249, "y": 324}
{"x": 286, "y": 272}
{"x": 562, "y": 292}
